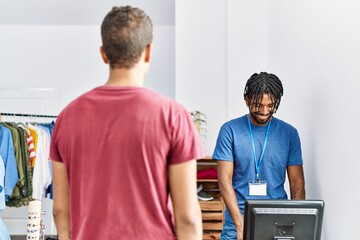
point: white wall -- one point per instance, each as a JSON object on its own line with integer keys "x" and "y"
{"x": 66, "y": 59}
{"x": 201, "y": 60}
{"x": 247, "y": 49}
{"x": 314, "y": 47}
{"x": 81, "y": 12}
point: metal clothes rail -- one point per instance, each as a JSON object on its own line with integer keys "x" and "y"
{"x": 27, "y": 115}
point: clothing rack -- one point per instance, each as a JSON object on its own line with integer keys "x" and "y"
{"x": 24, "y": 130}
{"x": 27, "y": 115}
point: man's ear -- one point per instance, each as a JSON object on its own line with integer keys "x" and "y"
{"x": 148, "y": 53}
{"x": 103, "y": 55}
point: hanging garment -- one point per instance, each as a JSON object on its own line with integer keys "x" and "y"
{"x": 8, "y": 156}
{"x": 41, "y": 174}
{"x": 30, "y": 144}
{"x": 22, "y": 192}
{"x": 4, "y": 234}
{"x": 25, "y": 151}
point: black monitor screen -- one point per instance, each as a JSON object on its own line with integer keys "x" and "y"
{"x": 283, "y": 219}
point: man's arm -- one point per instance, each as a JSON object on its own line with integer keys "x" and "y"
{"x": 61, "y": 209}
{"x": 182, "y": 178}
{"x": 296, "y": 181}
{"x": 225, "y": 174}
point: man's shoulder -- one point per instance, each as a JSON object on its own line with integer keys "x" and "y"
{"x": 235, "y": 122}
{"x": 165, "y": 102}
{"x": 76, "y": 105}
{"x": 283, "y": 124}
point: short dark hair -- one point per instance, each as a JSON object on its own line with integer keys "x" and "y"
{"x": 263, "y": 83}
{"x": 126, "y": 32}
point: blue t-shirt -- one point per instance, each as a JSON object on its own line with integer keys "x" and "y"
{"x": 283, "y": 149}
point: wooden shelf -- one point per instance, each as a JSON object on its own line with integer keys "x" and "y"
{"x": 211, "y": 235}
{"x": 206, "y": 159}
{"x": 211, "y": 216}
{"x": 213, "y": 205}
{"x": 207, "y": 180}
{"x": 212, "y": 211}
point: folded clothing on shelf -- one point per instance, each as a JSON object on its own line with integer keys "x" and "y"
{"x": 210, "y": 173}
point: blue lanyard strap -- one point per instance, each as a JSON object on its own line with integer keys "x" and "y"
{"x": 257, "y": 163}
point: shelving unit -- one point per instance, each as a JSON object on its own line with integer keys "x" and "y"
{"x": 213, "y": 210}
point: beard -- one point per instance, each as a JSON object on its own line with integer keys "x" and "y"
{"x": 261, "y": 119}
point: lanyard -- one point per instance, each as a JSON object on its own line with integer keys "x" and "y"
{"x": 257, "y": 163}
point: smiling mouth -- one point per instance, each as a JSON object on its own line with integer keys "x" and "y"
{"x": 263, "y": 116}
{"x": 262, "y": 119}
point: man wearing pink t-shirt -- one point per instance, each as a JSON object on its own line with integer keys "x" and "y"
{"x": 124, "y": 156}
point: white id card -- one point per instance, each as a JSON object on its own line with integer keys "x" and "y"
{"x": 258, "y": 188}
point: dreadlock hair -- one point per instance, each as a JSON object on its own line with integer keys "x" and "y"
{"x": 260, "y": 84}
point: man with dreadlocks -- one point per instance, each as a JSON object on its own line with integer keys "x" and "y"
{"x": 255, "y": 151}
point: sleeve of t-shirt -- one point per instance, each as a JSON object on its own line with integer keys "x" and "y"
{"x": 295, "y": 154}
{"x": 223, "y": 148}
{"x": 185, "y": 139}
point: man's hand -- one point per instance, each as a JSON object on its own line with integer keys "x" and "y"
{"x": 240, "y": 230}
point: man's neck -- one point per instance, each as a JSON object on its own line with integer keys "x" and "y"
{"x": 125, "y": 77}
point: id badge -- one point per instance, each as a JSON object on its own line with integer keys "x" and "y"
{"x": 257, "y": 188}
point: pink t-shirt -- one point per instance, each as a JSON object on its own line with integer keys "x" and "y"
{"x": 117, "y": 143}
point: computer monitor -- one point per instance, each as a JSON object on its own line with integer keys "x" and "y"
{"x": 283, "y": 219}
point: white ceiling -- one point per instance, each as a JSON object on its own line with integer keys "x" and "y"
{"x": 78, "y": 12}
